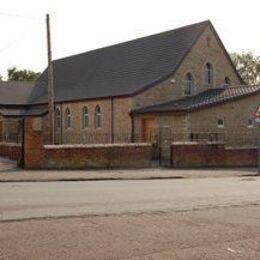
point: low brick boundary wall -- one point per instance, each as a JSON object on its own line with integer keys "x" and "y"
{"x": 11, "y": 151}
{"x": 195, "y": 154}
{"x": 97, "y": 156}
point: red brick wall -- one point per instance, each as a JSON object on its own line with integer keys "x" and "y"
{"x": 97, "y": 156}
{"x": 33, "y": 144}
{"x": 211, "y": 155}
{"x": 11, "y": 151}
{"x": 38, "y": 156}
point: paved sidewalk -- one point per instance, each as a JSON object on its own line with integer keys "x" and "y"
{"x": 10, "y": 173}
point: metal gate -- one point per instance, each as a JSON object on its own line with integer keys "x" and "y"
{"x": 161, "y": 147}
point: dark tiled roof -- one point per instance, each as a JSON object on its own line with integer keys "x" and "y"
{"x": 204, "y": 99}
{"x": 119, "y": 70}
{"x": 18, "y": 111}
{"x": 15, "y": 92}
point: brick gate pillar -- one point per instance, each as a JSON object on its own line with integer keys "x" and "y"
{"x": 33, "y": 143}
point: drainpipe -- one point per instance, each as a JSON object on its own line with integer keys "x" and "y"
{"x": 112, "y": 121}
{"x": 132, "y": 128}
{"x": 61, "y": 123}
{"x": 21, "y": 162}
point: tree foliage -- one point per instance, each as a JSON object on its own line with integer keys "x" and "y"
{"x": 248, "y": 66}
{"x": 22, "y": 75}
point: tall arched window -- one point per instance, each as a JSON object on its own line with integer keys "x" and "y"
{"x": 227, "y": 82}
{"x": 57, "y": 118}
{"x": 85, "y": 118}
{"x": 68, "y": 122}
{"x": 188, "y": 84}
{"x": 208, "y": 73}
{"x": 98, "y": 115}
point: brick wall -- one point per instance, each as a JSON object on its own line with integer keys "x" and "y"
{"x": 211, "y": 155}
{"x": 75, "y": 134}
{"x": 11, "y": 151}
{"x": 33, "y": 143}
{"x": 97, "y": 156}
{"x": 38, "y": 156}
{"x": 195, "y": 61}
{"x": 235, "y": 115}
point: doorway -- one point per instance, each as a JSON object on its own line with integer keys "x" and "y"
{"x": 148, "y": 126}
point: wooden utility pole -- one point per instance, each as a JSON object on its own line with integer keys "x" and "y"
{"x": 50, "y": 82}
{"x": 257, "y": 119}
{"x": 258, "y": 152}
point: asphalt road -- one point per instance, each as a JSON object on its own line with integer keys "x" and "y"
{"x": 59, "y": 199}
{"x": 219, "y": 234}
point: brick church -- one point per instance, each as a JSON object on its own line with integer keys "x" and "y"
{"x": 180, "y": 81}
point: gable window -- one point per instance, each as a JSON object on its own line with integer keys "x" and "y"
{"x": 68, "y": 123}
{"x": 188, "y": 84}
{"x": 221, "y": 123}
{"x": 85, "y": 118}
{"x": 98, "y": 115}
{"x": 208, "y": 73}
{"x": 57, "y": 118}
{"x": 227, "y": 82}
{"x": 251, "y": 123}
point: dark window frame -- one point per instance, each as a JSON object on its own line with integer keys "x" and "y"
{"x": 188, "y": 84}
{"x": 85, "y": 117}
{"x": 98, "y": 117}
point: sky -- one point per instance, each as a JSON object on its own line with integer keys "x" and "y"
{"x": 82, "y": 25}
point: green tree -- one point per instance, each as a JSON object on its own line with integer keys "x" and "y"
{"x": 22, "y": 75}
{"x": 248, "y": 66}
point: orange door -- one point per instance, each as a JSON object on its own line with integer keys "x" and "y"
{"x": 147, "y": 129}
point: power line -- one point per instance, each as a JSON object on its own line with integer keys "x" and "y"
{"x": 22, "y": 36}
{"x": 20, "y": 16}
{"x": 19, "y": 38}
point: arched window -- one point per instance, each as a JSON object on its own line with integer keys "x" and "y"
{"x": 188, "y": 84}
{"x": 85, "y": 119}
{"x": 57, "y": 118}
{"x": 208, "y": 73}
{"x": 98, "y": 115}
{"x": 68, "y": 122}
{"x": 227, "y": 82}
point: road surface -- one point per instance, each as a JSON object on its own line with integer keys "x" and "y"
{"x": 59, "y": 199}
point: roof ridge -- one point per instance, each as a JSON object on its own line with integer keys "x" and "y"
{"x": 135, "y": 39}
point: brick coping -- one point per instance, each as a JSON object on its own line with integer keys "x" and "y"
{"x": 197, "y": 143}
{"x": 241, "y": 148}
{"x": 70, "y": 146}
{"x": 10, "y": 144}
